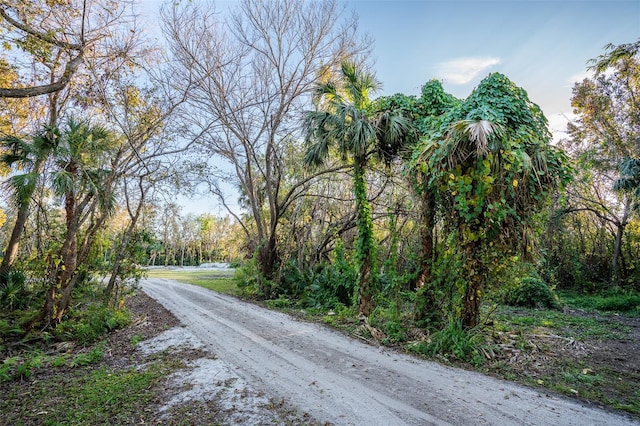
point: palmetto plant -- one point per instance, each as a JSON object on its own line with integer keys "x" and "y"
{"x": 629, "y": 180}
{"x": 345, "y": 121}
{"x": 26, "y": 158}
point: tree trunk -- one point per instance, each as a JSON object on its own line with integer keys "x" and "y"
{"x": 121, "y": 252}
{"x": 427, "y": 216}
{"x": 364, "y": 247}
{"x": 11, "y": 253}
{"x": 471, "y": 305}
{"x": 617, "y": 246}
{"x": 267, "y": 259}
{"x": 59, "y": 292}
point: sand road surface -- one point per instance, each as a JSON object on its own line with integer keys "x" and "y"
{"x": 343, "y": 381}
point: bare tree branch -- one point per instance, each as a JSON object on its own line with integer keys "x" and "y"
{"x": 61, "y": 83}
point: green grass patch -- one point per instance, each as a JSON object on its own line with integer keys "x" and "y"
{"x": 88, "y": 396}
{"x": 220, "y": 281}
{"x": 576, "y": 327}
{"x": 28, "y": 363}
{"x": 614, "y": 300}
{"x": 606, "y": 386}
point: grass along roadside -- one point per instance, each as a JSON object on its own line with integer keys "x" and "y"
{"x": 124, "y": 379}
{"x": 89, "y": 381}
{"x": 218, "y": 280}
{"x": 582, "y": 354}
{"x": 92, "y": 394}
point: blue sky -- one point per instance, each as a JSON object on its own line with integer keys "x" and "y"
{"x": 542, "y": 46}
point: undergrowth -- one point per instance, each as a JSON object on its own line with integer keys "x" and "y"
{"x": 613, "y": 300}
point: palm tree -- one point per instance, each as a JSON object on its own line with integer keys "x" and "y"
{"x": 86, "y": 186}
{"x": 346, "y": 120}
{"x": 469, "y": 142}
{"x": 29, "y": 158}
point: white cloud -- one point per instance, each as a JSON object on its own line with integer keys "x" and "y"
{"x": 558, "y": 124}
{"x": 463, "y": 70}
{"x": 579, "y": 77}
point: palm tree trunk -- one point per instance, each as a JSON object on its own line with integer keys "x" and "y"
{"x": 427, "y": 213}
{"x": 59, "y": 292}
{"x": 471, "y": 303}
{"x": 11, "y": 253}
{"x": 364, "y": 247}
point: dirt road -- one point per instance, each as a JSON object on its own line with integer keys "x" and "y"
{"x": 346, "y": 382}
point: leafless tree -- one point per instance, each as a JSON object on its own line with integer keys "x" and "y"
{"x": 252, "y": 70}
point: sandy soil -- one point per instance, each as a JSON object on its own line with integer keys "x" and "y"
{"x": 334, "y": 379}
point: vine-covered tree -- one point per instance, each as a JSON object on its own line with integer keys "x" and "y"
{"x": 494, "y": 169}
{"x": 345, "y": 119}
{"x": 426, "y": 113}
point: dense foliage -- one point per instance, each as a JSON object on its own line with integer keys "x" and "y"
{"x": 492, "y": 166}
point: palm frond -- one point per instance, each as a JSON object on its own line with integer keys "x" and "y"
{"x": 317, "y": 153}
{"x": 318, "y": 126}
{"x": 63, "y": 181}
{"x": 23, "y": 186}
{"x": 358, "y": 83}
{"x": 393, "y": 133}
{"x": 629, "y": 180}
{"x": 12, "y": 159}
{"x": 326, "y": 92}
{"x": 17, "y": 152}
{"x": 46, "y": 141}
{"x": 473, "y": 136}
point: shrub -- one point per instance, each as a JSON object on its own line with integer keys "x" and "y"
{"x": 617, "y": 300}
{"x": 93, "y": 323}
{"x": 532, "y": 292}
{"x": 328, "y": 286}
{"x": 13, "y": 294}
{"x": 332, "y": 285}
{"x": 248, "y": 277}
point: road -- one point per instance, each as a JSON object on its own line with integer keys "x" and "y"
{"x": 343, "y": 381}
